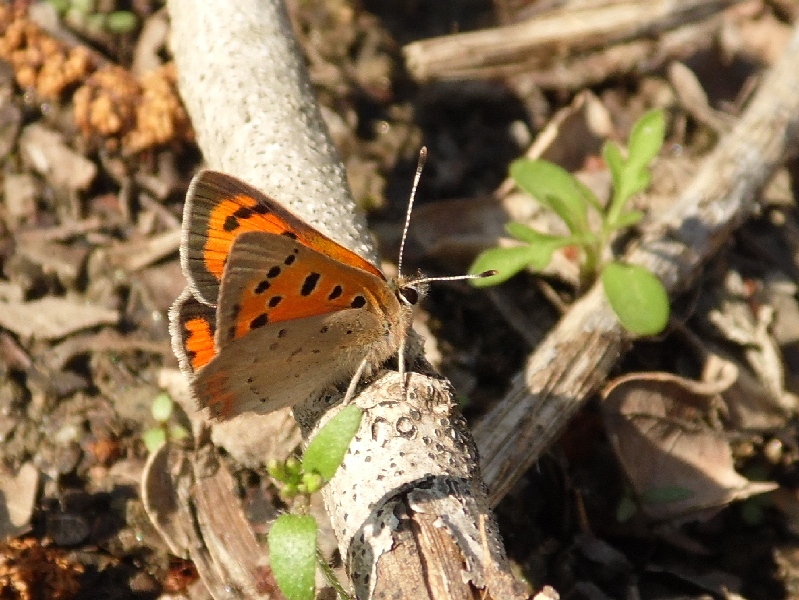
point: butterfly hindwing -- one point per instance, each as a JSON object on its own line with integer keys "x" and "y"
{"x": 282, "y": 364}
{"x": 192, "y": 327}
{"x": 218, "y": 209}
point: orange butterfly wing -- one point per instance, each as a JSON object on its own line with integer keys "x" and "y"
{"x": 292, "y": 322}
{"x": 219, "y": 208}
{"x": 192, "y": 327}
{"x": 273, "y": 279}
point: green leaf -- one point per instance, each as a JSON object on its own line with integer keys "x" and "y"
{"x": 646, "y": 139}
{"x": 668, "y": 493}
{"x": 525, "y": 234}
{"x": 328, "y": 447}
{"x": 162, "y": 407}
{"x": 626, "y": 509}
{"x": 84, "y": 6}
{"x": 632, "y": 176}
{"x": 121, "y": 21}
{"x": 311, "y": 482}
{"x": 178, "y": 432}
{"x": 277, "y": 470}
{"x": 615, "y": 161}
{"x": 292, "y": 552}
{"x": 626, "y": 219}
{"x": 153, "y": 439}
{"x": 555, "y": 188}
{"x": 61, "y": 6}
{"x": 637, "y": 182}
{"x": 509, "y": 261}
{"x": 637, "y": 297}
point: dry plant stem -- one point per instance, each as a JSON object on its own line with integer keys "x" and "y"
{"x": 634, "y": 58}
{"x": 243, "y": 80}
{"x": 546, "y": 39}
{"x": 575, "y": 358}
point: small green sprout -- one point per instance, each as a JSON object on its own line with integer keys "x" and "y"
{"x": 162, "y": 410}
{"x": 637, "y": 297}
{"x": 292, "y": 539}
{"x": 84, "y": 13}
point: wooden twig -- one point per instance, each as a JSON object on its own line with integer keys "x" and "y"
{"x": 631, "y": 59}
{"x": 408, "y": 496}
{"x": 575, "y": 358}
{"x": 547, "y": 40}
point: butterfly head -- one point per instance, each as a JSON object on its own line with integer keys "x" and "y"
{"x": 411, "y": 290}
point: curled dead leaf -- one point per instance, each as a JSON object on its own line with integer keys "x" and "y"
{"x": 665, "y": 433}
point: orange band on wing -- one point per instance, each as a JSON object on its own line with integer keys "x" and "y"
{"x": 199, "y": 342}
{"x": 242, "y": 213}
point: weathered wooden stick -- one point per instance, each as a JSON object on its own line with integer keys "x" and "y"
{"x": 547, "y": 40}
{"x": 575, "y": 358}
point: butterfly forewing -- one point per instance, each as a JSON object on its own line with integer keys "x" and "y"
{"x": 274, "y": 279}
{"x": 282, "y": 364}
{"x": 218, "y": 209}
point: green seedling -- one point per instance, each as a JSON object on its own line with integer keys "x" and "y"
{"x": 162, "y": 410}
{"x": 637, "y": 297}
{"x": 84, "y": 13}
{"x": 292, "y": 540}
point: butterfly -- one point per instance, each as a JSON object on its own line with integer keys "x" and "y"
{"x": 275, "y": 312}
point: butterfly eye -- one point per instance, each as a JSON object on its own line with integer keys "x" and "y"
{"x": 410, "y": 294}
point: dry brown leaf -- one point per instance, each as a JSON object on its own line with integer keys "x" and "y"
{"x": 678, "y": 463}
{"x": 53, "y": 318}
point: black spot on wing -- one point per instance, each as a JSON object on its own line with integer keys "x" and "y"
{"x": 243, "y": 212}
{"x": 259, "y": 321}
{"x": 309, "y": 285}
{"x": 231, "y": 224}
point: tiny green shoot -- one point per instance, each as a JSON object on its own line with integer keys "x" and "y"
{"x": 292, "y": 539}
{"x": 162, "y": 410}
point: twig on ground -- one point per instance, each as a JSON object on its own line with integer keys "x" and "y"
{"x": 564, "y": 34}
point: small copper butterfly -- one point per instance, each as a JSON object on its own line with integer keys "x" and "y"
{"x": 276, "y": 312}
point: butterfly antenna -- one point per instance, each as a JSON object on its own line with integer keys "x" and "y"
{"x": 416, "y": 178}
{"x": 424, "y": 280}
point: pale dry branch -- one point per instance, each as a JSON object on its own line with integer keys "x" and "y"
{"x": 556, "y": 46}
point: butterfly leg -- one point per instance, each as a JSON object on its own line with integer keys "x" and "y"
{"x": 354, "y": 382}
{"x": 401, "y": 367}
